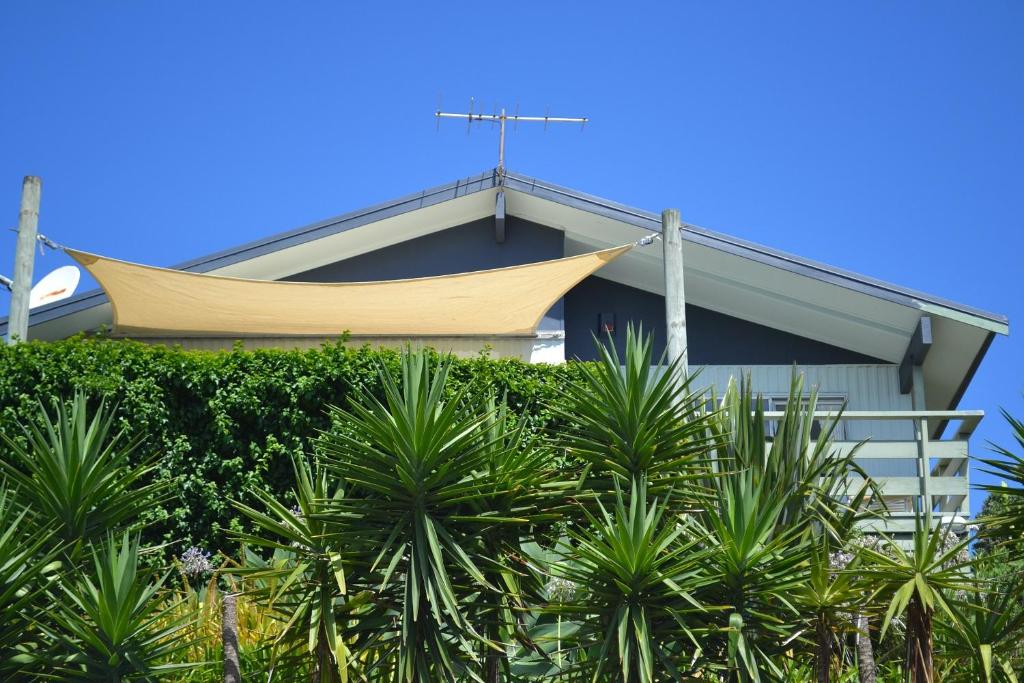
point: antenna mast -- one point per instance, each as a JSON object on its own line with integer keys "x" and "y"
{"x": 501, "y": 119}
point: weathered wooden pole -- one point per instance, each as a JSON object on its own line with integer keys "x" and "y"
{"x": 675, "y": 296}
{"x": 24, "y": 259}
{"x": 229, "y": 634}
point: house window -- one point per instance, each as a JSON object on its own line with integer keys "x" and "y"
{"x": 825, "y": 404}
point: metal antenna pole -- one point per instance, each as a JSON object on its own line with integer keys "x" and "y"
{"x": 501, "y": 143}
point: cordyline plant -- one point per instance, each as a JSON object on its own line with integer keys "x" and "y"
{"x": 28, "y": 567}
{"x": 77, "y": 474}
{"x": 305, "y": 579}
{"x": 427, "y": 497}
{"x": 112, "y": 625}
{"x": 920, "y": 583}
{"x": 636, "y": 571}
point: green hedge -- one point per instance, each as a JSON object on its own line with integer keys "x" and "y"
{"x": 222, "y": 422}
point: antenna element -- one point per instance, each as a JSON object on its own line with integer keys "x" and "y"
{"x": 501, "y": 118}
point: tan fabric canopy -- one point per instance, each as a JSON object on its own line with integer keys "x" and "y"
{"x": 150, "y": 301}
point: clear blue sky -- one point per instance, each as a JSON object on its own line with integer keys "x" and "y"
{"x": 878, "y": 136}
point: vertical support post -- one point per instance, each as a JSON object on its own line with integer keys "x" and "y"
{"x": 675, "y": 296}
{"x": 24, "y": 259}
{"x": 229, "y": 635}
{"x": 924, "y": 461}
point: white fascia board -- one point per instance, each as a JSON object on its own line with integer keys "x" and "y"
{"x": 363, "y": 239}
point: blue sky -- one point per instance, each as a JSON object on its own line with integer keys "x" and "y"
{"x": 881, "y": 137}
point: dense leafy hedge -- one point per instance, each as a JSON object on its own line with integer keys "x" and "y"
{"x": 223, "y": 422}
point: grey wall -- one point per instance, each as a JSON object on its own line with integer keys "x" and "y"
{"x": 455, "y": 250}
{"x": 712, "y": 338}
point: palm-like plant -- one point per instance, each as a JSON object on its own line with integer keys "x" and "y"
{"x": 776, "y": 499}
{"x": 521, "y": 489}
{"x": 917, "y": 583}
{"x": 632, "y": 418}
{"x": 26, "y": 567}
{"x": 758, "y": 565}
{"x": 416, "y": 468}
{"x": 812, "y": 481}
{"x": 827, "y": 599}
{"x": 111, "y": 626}
{"x": 76, "y": 473}
{"x": 306, "y": 579}
{"x": 636, "y": 574}
{"x": 1008, "y": 525}
{"x": 983, "y": 640}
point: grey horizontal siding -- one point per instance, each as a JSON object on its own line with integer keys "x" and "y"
{"x": 865, "y": 387}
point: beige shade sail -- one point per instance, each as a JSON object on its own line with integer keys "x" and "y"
{"x": 149, "y": 301}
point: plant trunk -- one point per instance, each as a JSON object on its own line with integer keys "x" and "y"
{"x": 325, "y": 668}
{"x": 865, "y": 653}
{"x": 229, "y": 636}
{"x": 919, "y": 642}
{"x": 823, "y": 659}
{"x": 492, "y": 673}
{"x": 493, "y": 669}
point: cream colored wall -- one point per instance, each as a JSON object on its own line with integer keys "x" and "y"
{"x": 543, "y": 349}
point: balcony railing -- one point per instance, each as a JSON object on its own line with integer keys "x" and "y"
{"x": 915, "y": 470}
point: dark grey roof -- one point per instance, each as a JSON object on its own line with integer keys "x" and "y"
{"x": 645, "y": 220}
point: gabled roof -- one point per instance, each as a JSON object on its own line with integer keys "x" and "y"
{"x": 723, "y": 273}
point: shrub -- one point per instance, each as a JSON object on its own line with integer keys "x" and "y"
{"x": 223, "y": 423}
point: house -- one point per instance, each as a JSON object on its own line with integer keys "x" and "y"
{"x": 900, "y": 359}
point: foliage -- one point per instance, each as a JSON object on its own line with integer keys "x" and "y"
{"x": 463, "y": 521}
{"x": 304, "y": 579}
{"x": 224, "y": 424}
{"x": 111, "y": 627}
{"x": 76, "y": 476}
{"x": 919, "y": 583}
{"x": 637, "y": 573}
{"x": 27, "y": 563}
{"x": 982, "y": 642}
{"x": 1004, "y": 519}
{"x": 632, "y": 419}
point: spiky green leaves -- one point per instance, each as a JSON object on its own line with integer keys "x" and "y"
{"x": 110, "y": 626}
{"x": 636, "y": 574}
{"x": 77, "y": 474}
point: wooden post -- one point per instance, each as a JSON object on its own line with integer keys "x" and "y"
{"x": 24, "y": 259}
{"x": 923, "y": 451}
{"x": 675, "y": 297}
{"x": 229, "y": 634}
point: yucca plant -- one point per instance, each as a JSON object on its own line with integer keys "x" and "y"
{"x": 76, "y": 473}
{"x": 27, "y": 568}
{"x": 983, "y": 642}
{"x": 528, "y": 495}
{"x": 813, "y": 482}
{"x": 636, "y": 573}
{"x": 417, "y": 472}
{"x": 918, "y": 583}
{"x": 1008, "y": 525}
{"x": 112, "y": 625}
{"x": 776, "y": 497}
{"x": 306, "y": 578}
{"x": 828, "y": 599}
{"x": 635, "y": 418}
{"x": 756, "y": 565}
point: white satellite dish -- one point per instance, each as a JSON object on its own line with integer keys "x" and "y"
{"x": 60, "y": 284}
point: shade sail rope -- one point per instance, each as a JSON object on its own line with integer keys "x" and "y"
{"x": 511, "y": 301}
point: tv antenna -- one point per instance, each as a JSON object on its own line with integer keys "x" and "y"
{"x": 501, "y": 119}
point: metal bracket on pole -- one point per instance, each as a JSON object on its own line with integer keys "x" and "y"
{"x": 6, "y": 282}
